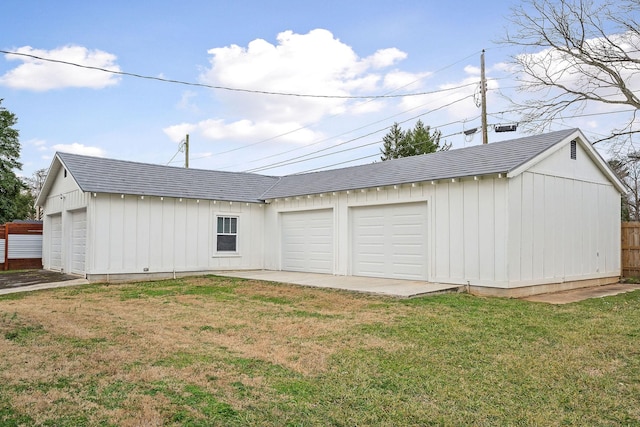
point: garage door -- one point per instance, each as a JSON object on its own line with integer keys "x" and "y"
{"x": 307, "y": 241}
{"x": 78, "y": 241}
{"x": 55, "y": 249}
{"x": 390, "y": 241}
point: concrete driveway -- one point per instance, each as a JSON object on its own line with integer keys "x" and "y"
{"x": 31, "y": 280}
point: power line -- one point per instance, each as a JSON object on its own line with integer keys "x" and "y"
{"x": 369, "y": 98}
{"x": 296, "y": 159}
{"x": 331, "y": 137}
{"x": 328, "y": 138}
{"x": 355, "y": 160}
{"x": 181, "y": 82}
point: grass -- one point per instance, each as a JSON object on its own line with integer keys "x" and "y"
{"x": 215, "y": 351}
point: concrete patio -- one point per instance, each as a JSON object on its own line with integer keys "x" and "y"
{"x": 371, "y": 285}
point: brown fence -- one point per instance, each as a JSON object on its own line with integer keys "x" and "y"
{"x": 630, "y": 249}
{"x": 20, "y": 245}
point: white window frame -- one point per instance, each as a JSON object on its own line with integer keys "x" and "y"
{"x": 230, "y": 232}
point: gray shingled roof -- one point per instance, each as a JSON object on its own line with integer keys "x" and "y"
{"x": 497, "y": 157}
{"x": 99, "y": 175}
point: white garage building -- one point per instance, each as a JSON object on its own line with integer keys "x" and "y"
{"x": 511, "y": 218}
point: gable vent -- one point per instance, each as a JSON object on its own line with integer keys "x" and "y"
{"x": 573, "y": 150}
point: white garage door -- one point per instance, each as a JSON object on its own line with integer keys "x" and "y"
{"x": 390, "y": 241}
{"x": 55, "y": 248}
{"x": 307, "y": 241}
{"x": 78, "y": 241}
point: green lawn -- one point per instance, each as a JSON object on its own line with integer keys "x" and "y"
{"x": 215, "y": 351}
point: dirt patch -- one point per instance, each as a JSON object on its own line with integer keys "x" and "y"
{"x": 16, "y": 279}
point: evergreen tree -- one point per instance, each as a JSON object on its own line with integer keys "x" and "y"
{"x": 419, "y": 140}
{"x": 11, "y": 187}
{"x": 392, "y": 142}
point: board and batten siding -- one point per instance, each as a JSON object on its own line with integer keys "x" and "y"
{"x": 469, "y": 234}
{"x": 132, "y": 234}
{"x": 564, "y": 222}
{"x": 560, "y": 229}
{"x": 65, "y": 197}
{"x": 465, "y": 226}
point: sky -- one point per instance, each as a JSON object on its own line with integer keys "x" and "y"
{"x": 426, "y": 50}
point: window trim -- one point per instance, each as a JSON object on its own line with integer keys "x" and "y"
{"x": 229, "y": 233}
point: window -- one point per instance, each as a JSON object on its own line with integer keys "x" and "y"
{"x": 573, "y": 150}
{"x": 227, "y": 240}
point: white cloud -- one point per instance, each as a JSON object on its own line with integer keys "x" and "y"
{"x": 247, "y": 130}
{"x": 457, "y": 100}
{"x": 36, "y": 74}
{"x": 186, "y": 103}
{"x": 401, "y": 79}
{"x": 177, "y": 132}
{"x": 470, "y": 69}
{"x": 385, "y": 57}
{"x": 364, "y": 107}
{"x": 314, "y": 63}
{"x": 38, "y": 142}
{"x": 76, "y": 148}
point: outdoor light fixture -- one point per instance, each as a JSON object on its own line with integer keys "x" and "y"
{"x": 505, "y": 128}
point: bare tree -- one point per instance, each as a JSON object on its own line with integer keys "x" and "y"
{"x": 34, "y": 186}
{"x": 626, "y": 168}
{"x": 577, "y": 53}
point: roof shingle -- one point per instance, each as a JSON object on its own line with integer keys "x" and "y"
{"x": 497, "y": 157}
{"x": 101, "y": 175}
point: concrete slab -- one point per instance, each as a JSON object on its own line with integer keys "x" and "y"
{"x": 47, "y": 285}
{"x": 575, "y": 295}
{"x": 371, "y": 285}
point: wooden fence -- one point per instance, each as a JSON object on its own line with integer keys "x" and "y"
{"x": 20, "y": 245}
{"x": 630, "y": 249}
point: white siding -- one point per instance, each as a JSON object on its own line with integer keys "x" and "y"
{"x": 564, "y": 221}
{"x": 562, "y": 229}
{"x": 465, "y": 227}
{"x": 469, "y": 232}
{"x": 307, "y": 241}
{"x": 132, "y": 234}
{"x": 555, "y": 222}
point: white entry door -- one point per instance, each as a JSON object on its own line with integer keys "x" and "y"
{"x": 307, "y": 241}
{"x": 390, "y": 241}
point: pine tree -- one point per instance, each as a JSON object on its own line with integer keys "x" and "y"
{"x": 423, "y": 141}
{"x": 392, "y": 142}
{"x": 419, "y": 140}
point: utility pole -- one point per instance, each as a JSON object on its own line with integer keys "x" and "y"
{"x": 186, "y": 152}
{"x": 483, "y": 96}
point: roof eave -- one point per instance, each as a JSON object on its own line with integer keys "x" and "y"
{"x": 54, "y": 167}
{"x": 434, "y": 181}
{"x": 579, "y": 137}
